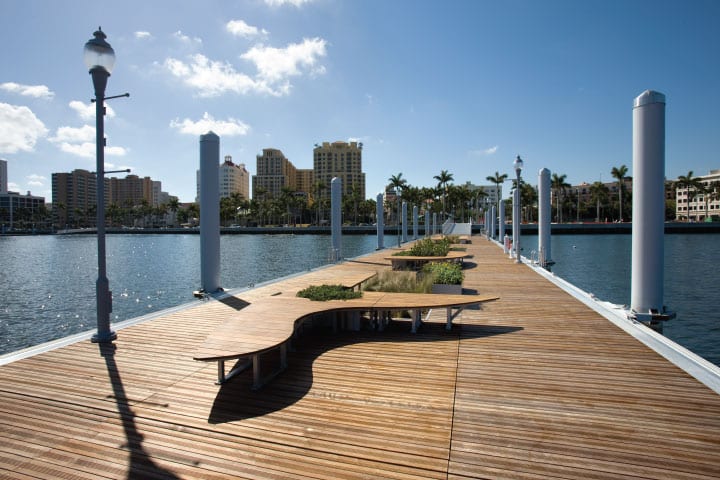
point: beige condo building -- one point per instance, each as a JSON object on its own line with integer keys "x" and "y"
{"x": 342, "y": 160}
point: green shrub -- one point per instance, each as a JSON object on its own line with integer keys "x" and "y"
{"x": 428, "y": 248}
{"x": 323, "y": 293}
{"x": 444, "y": 272}
{"x": 399, "y": 281}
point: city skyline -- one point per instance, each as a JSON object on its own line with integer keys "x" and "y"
{"x": 461, "y": 86}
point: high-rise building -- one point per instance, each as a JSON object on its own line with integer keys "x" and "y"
{"x": 274, "y": 172}
{"x": 3, "y": 176}
{"x": 342, "y": 160}
{"x": 74, "y": 196}
{"x": 132, "y": 190}
{"x": 234, "y": 178}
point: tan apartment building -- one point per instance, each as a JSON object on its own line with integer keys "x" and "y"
{"x": 274, "y": 172}
{"x": 342, "y": 160}
{"x": 74, "y": 194}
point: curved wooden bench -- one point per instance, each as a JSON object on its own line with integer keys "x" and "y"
{"x": 452, "y": 256}
{"x": 270, "y": 323}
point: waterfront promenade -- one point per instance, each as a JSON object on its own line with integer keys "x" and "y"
{"x": 534, "y": 385}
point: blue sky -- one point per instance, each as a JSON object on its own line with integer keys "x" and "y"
{"x": 462, "y": 86}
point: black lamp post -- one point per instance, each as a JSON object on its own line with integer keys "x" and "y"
{"x": 100, "y": 59}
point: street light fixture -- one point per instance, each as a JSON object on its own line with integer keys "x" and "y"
{"x": 518, "y": 165}
{"x": 100, "y": 58}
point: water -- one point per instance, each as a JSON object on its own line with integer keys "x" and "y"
{"x": 48, "y": 282}
{"x": 601, "y": 264}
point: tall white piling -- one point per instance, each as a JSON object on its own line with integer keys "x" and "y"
{"x": 544, "y": 233}
{"x": 493, "y": 221}
{"x": 415, "y": 222}
{"x": 434, "y": 224}
{"x": 501, "y": 222}
{"x": 516, "y": 225}
{"x": 210, "y": 212}
{"x": 646, "y": 294}
{"x": 427, "y": 223}
{"x": 380, "y": 217}
{"x": 404, "y": 222}
{"x": 336, "y": 218}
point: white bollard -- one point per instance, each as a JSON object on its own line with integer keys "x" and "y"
{"x": 493, "y": 220}
{"x": 544, "y": 232}
{"x": 336, "y": 218}
{"x": 210, "y": 212}
{"x": 501, "y": 221}
{"x": 404, "y": 222}
{"x": 427, "y": 223}
{"x": 415, "y": 222}
{"x": 380, "y": 215}
{"x": 648, "y": 222}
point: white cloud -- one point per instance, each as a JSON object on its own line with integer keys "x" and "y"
{"x": 86, "y": 111}
{"x": 35, "y": 91}
{"x": 274, "y": 64}
{"x": 13, "y": 187}
{"x": 280, "y": 3}
{"x": 485, "y": 152}
{"x": 143, "y": 35}
{"x": 81, "y": 142}
{"x": 86, "y": 133}
{"x": 212, "y": 78}
{"x": 20, "y": 129}
{"x": 87, "y": 149}
{"x": 242, "y": 29}
{"x": 36, "y": 180}
{"x": 229, "y": 127}
{"x": 186, "y": 39}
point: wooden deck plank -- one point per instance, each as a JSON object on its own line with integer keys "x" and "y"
{"x": 519, "y": 389}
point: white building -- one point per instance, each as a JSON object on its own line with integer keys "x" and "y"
{"x": 233, "y": 179}
{"x": 697, "y": 206}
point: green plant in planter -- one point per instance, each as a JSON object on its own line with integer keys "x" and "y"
{"x": 323, "y": 293}
{"x": 445, "y": 272}
{"x": 428, "y": 248}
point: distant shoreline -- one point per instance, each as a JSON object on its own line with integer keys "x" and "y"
{"x": 527, "y": 229}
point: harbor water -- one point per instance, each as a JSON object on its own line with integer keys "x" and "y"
{"x": 49, "y": 281}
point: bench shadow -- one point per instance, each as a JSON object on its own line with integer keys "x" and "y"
{"x": 236, "y": 400}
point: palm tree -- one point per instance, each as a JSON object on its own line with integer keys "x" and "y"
{"x": 712, "y": 192}
{"x": 559, "y": 185}
{"x": 318, "y": 187}
{"x": 619, "y": 173}
{"x": 497, "y": 180}
{"x": 599, "y": 193}
{"x": 443, "y": 180}
{"x": 692, "y": 184}
{"x": 174, "y": 205}
{"x": 398, "y": 183}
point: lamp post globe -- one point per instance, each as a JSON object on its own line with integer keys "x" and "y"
{"x": 98, "y": 53}
{"x": 99, "y": 58}
{"x": 518, "y": 165}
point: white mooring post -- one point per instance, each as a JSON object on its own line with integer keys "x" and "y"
{"x": 415, "y": 222}
{"x": 209, "y": 212}
{"x": 648, "y": 234}
{"x": 427, "y": 223}
{"x": 544, "y": 233}
{"x": 501, "y": 223}
{"x": 380, "y": 216}
{"x": 434, "y": 224}
{"x": 493, "y": 220}
{"x": 336, "y": 218}
{"x": 404, "y": 222}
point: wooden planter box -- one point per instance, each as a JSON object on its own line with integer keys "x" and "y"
{"x": 446, "y": 289}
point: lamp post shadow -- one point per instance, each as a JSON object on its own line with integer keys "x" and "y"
{"x": 141, "y": 464}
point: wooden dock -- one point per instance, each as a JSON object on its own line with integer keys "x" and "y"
{"x": 534, "y": 385}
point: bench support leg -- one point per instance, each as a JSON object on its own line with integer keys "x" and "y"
{"x": 416, "y": 320}
{"x": 223, "y": 377}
